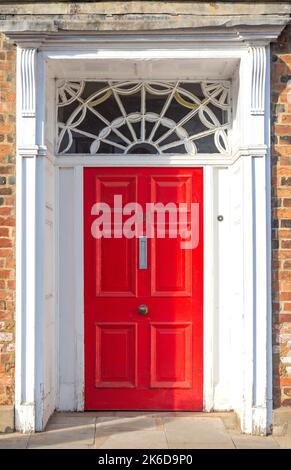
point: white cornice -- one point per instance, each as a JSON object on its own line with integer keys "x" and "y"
{"x": 245, "y": 36}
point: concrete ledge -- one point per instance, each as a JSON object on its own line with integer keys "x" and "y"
{"x": 143, "y": 7}
{"x": 7, "y": 418}
{"x": 282, "y": 421}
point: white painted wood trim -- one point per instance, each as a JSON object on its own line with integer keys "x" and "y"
{"x": 57, "y": 278}
{"x": 256, "y": 411}
{"x": 262, "y": 410}
{"x": 29, "y": 396}
{"x": 79, "y": 287}
{"x": 248, "y": 296}
{"x": 215, "y": 160}
{"x": 208, "y": 298}
{"x": 25, "y": 274}
{"x": 268, "y": 208}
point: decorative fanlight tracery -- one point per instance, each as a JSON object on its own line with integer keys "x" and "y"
{"x": 143, "y": 117}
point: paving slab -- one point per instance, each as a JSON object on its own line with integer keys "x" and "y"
{"x": 119, "y": 424}
{"x": 138, "y": 414}
{"x": 243, "y": 441}
{"x": 69, "y": 421}
{"x": 64, "y": 437}
{"x": 200, "y": 445}
{"x": 83, "y": 414}
{"x": 135, "y": 440}
{"x": 196, "y": 432}
{"x": 14, "y": 441}
{"x": 284, "y": 441}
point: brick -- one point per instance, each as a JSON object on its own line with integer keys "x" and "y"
{"x": 6, "y": 336}
{"x": 286, "y": 244}
{"x": 4, "y": 274}
{"x": 287, "y": 391}
{"x": 10, "y": 202}
{"x": 6, "y": 253}
{"x": 286, "y": 181}
{"x": 7, "y": 221}
{"x": 284, "y": 234}
{"x": 282, "y": 254}
{"x": 11, "y": 180}
{"x": 285, "y": 139}
{"x": 285, "y": 380}
{"x": 284, "y": 317}
{"x": 286, "y": 150}
{"x": 285, "y": 160}
{"x": 6, "y": 315}
{"x": 11, "y": 284}
{"x": 287, "y": 265}
{"x": 6, "y": 294}
{"x": 5, "y": 191}
{"x": 283, "y": 130}
{"x": 284, "y": 296}
{"x": 283, "y": 275}
{"x": 10, "y": 263}
{"x": 286, "y": 223}
{"x": 286, "y": 119}
{"x": 6, "y": 169}
{"x": 282, "y": 170}
{"x": 5, "y": 242}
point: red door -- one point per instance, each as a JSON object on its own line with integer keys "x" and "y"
{"x": 143, "y": 297}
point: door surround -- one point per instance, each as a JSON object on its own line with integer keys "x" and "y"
{"x": 38, "y": 217}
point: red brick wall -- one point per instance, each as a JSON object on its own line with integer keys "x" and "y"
{"x": 281, "y": 202}
{"x": 7, "y": 220}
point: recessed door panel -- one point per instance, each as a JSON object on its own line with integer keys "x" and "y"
{"x": 115, "y": 355}
{"x": 171, "y": 268}
{"x": 171, "y": 355}
{"x": 120, "y": 281}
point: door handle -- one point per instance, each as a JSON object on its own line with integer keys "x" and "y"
{"x": 142, "y": 253}
{"x": 143, "y": 309}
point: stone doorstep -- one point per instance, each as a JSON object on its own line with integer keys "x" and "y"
{"x": 282, "y": 421}
{"x": 6, "y": 418}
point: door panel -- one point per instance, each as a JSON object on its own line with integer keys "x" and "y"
{"x": 170, "y": 276}
{"x": 171, "y": 355}
{"x": 120, "y": 281}
{"x": 115, "y": 366}
{"x": 136, "y": 361}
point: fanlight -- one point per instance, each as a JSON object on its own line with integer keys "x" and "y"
{"x": 143, "y": 117}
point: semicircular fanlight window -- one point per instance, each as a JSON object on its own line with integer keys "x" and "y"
{"x": 143, "y": 117}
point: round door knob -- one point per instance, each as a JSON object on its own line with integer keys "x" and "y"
{"x": 143, "y": 309}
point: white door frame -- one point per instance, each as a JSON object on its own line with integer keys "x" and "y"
{"x": 37, "y": 353}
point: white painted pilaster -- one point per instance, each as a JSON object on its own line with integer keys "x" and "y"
{"x": 30, "y": 150}
{"x": 256, "y": 410}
